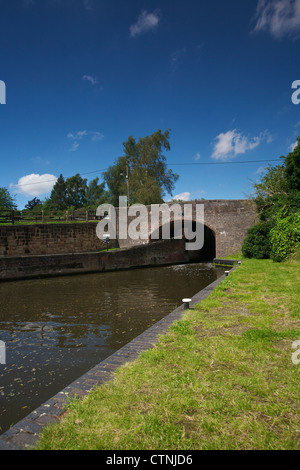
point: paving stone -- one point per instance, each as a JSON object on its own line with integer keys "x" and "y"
{"x": 24, "y": 439}
{"x": 4, "y": 445}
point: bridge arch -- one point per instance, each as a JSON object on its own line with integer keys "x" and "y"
{"x": 206, "y": 254}
{"x": 226, "y": 222}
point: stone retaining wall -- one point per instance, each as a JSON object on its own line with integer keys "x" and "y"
{"x": 45, "y": 239}
{"x": 155, "y": 254}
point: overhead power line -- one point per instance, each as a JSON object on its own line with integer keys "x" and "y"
{"x": 168, "y": 164}
{"x": 222, "y": 163}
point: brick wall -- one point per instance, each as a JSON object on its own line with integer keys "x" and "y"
{"x": 50, "y": 239}
{"x": 155, "y": 254}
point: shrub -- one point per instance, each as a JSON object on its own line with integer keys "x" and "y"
{"x": 257, "y": 243}
{"x": 284, "y": 236}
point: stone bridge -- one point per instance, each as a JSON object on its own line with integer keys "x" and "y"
{"x": 28, "y": 251}
{"x": 225, "y": 225}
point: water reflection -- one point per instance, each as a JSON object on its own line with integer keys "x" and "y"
{"x": 57, "y": 329}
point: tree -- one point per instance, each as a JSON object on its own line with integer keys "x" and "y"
{"x": 95, "y": 193}
{"x": 7, "y": 201}
{"x": 76, "y": 188}
{"x": 74, "y": 192}
{"x": 150, "y": 192}
{"x": 33, "y": 203}
{"x": 58, "y": 199}
{"x": 279, "y": 188}
{"x": 270, "y": 191}
{"x": 278, "y": 206}
{"x": 115, "y": 180}
{"x": 292, "y": 168}
{"x": 143, "y": 170}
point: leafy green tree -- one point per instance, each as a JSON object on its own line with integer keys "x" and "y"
{"x": 142, "y": 170}
{"x": 279, "y": 188}
{"x": 150, "y": 192}
{"x": 292, "y": 168}
{"x": 33, "y": 203}
{"x": 115, "y": 180}
{"x": 76, "y": 191}
{"x": 270, "y": 191}
{"x": 7, "y": 201}
{"x": 95, "y": 193}
{"x": 277, "y": 198}
{"x": 58, "y": 199}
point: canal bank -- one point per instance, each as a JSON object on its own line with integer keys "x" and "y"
{"x": 25, "y": 433}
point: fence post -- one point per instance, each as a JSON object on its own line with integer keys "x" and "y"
{"x": 86, "y": 216}
{"x": 13, "y": 217}
{"x": 43, "y": 219}
{"x": 67, "y": 216}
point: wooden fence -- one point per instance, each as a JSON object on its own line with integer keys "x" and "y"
{"x": 44, "y": 217}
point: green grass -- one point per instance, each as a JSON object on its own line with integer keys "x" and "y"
{"x": 221, "y": 378}
{"x": 110, "y": 249}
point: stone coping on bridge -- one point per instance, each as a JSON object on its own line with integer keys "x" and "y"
{"x": 26, "y": 433}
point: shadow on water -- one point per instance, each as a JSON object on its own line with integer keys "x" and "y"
{"x": 57, "y": 329}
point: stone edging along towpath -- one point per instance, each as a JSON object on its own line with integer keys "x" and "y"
{"x": 26, "y": 432}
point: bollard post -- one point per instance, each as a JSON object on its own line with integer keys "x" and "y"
{"x": 226, "y": 273}
{"x": 186, "y": 303}
{"x": 2, "y": 353}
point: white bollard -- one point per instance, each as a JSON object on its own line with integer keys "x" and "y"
{"x": 186, "y": 303}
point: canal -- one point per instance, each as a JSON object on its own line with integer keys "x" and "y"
{"x": 57, "y": 329}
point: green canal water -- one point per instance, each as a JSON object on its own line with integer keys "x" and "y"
{"x": 57, "y": 329}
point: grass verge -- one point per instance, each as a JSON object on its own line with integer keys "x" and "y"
{"x": 221, "y": 378}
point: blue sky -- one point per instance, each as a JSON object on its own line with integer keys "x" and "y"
{"x": 83, "y": 75}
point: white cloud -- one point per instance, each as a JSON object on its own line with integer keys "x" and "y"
{"x": 34, "y": 184}
{"x": 260, "y": 170}
{"x": 74, "y": 147}
{"x": 96, "y": 136}
{"x": 182, "y": 196}
{"x": 293, "y": 146}
{"x": 90, "y": 79}
{"x": 278, "y": 17}
{"x": 145, "y": 22}
{"x": 79, "y": 135}
{"x": 197, "y": 157}
{"x": 232, "y": 143}
{"x": 177, "y": 56}
{"x": 199, "y": 194}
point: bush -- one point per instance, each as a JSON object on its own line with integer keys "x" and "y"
{"x": 284, "y": 236}
{"x": 257, "y": 243}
